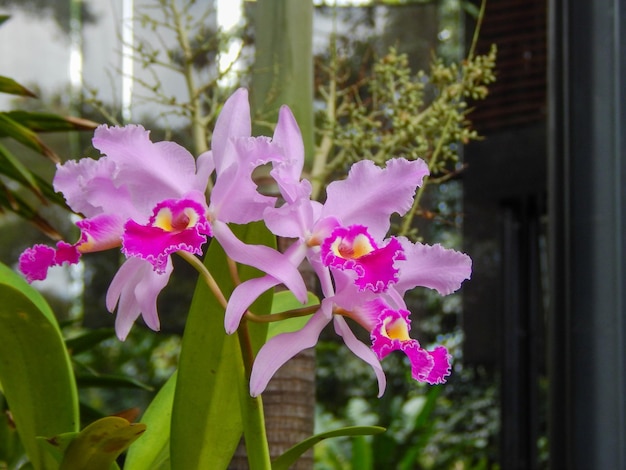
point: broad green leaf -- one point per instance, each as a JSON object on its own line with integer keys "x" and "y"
{"x": 25, "y": 136}
{"x": 110, "y": 381}
{"x": 4, "y": 18}
{"x": 48, "y": 122}
{"x": 362, "y": 453}
{"x": 88, "y": 340}
{"x": 8, "y": 85}
{"x": 290, "y": 457}
{"x": 206, "y": 416}
{"x": 98, "y": 445}
{"x": 11, "y": 450}
{"x": 57, "y": 445}
{"x": 284, "y": 301}
{"x": 35, "y": 371}
{"x": 152, "y": 451}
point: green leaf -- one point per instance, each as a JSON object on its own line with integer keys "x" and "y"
{"x": 98, "y": 445}
{"x": 13, "y": 202}
{"x": 284, "y": 301}
{"x": 35, "y": 371}
{"x": 25, "y": 136}
{"x": 48, "y": 122}
{"x": 4, "y": 18}
{"x": 152, "y": 451}
{"x": 293, "y": 454}
{"x": 362, "y": 453}
{"x": 14, "y": 169}
{"x": 110, "y": 381}
{"x": 88, "y": 340}
{"x": 206, "y": 416}
{"x": 8, "y": 85}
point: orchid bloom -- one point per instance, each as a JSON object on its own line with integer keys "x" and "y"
{"x": 363, "y": 274}
{"x": 147, "y": 198}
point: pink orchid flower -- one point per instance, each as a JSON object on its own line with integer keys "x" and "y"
{"x": 363, "y": 274}
{"x": 147, "y": 198}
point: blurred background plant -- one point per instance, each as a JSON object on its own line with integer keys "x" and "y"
{"x": 376, "y": 98}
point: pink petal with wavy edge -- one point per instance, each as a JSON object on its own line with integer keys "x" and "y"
{"x": 235, "y": 198}
{"x": 34, "y": 262}
{"x": 151, "y": 172}
{"x": 136, "y": 287}
{"x": 233, "y": 121}
{"x": 283, "y": 347}
{"x": 441, "y": 368}
{"x": 433, "y": 266}
{"x": 361, "y": 351}
{"x": 175, "y": 225}
{"x": 263, "y": 258}
{"x": 369, "y": 195}
{"x": 89, "y": 188}
{"x": 352, "y": 248}
{"x": 391, "y": 333}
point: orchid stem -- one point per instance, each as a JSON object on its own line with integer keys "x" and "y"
{"x": 296, "y": 312}
{"x": 206, "y": 275}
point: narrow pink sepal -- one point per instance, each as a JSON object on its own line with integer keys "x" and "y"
{"x": 233, "y": 121}
{"x": 361, "y": 351}
{"x": 264, "y": 258}
{"x": 34, "y": 262}
{"x": 283, "y": 347}
{"x": 242, "y": 297}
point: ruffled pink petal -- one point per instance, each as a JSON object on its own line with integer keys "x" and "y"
{"x": 150, "y": 172}
{"x": 361, "y": 351}
{"x": 134, "y": 290}
{"x": 66, "y": 253}
{"x": 234, "y": 198}
{"x": 422, "y": 363}
{"x": 263, "y": 258}
{"x": 369, "y": 195}
{"x": 391, "y": 333}
{"x": 175, "y": 225}
{"x": 441, "y": 367}
{"x": 434, "y": 267}
{"x": 34, "y": 262}
{"x": 352, "y": 248}
{"x": 89, "y": 187}
{"x": 233, "y": 121}
{"x": 283, "y": 347}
